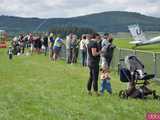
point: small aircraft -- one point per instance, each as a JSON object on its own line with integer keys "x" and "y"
{"x": 139, "y": 37}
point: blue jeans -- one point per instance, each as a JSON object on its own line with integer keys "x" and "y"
{"x": 84, "y": 57}
{"x": 106, "y": 85}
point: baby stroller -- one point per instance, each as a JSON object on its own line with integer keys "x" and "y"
{"x": 131, "y": 71}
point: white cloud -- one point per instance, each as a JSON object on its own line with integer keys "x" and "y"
{"x": 70, "y": 8}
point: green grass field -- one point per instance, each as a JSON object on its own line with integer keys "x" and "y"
{"x": 34, "y": 88}
{"x": 124, "y": 43}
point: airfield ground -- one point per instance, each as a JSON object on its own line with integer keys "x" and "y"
{"x": 34, "y": 88}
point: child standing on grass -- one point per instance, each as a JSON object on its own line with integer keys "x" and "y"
{"x": 105, "y": 81}
{"x": 10, "y": 53}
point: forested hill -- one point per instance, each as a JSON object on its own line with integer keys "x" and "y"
{"x": 114, "y": 21}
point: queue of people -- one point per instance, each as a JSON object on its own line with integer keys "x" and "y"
{"x": 93, "y": 49}
{"x": 19, "y": 44}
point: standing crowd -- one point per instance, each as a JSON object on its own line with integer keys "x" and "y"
{"x": 99, "y": 48}
{"x": 94, "y": 50}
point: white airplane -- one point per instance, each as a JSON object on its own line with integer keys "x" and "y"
{"x": 139, "y": 37}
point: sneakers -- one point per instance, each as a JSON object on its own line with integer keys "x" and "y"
{"x": 90, "y": 93}
{"x": 95, "y": 93}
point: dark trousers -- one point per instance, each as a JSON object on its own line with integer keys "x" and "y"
{"x": 68, "y": 56}
{"x": 10, "y": 56}
{"x": 73, "y": 54}
{"x": 109, "y": 61}
{"x": 77, "y": 53}
{"x": 93, "y": 78}
{"x": 45, "y": 51}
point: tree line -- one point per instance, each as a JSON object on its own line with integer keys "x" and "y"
{"x": 65, "y": 30}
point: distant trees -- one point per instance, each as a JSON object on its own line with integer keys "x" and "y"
{"x": 65, "y": 30}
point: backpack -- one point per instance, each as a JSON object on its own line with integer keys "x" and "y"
{"x": 107, "y": 51}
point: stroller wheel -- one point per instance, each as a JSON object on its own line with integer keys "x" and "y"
{"x": 123, "y": 94}
{"x": 155, "y": 96}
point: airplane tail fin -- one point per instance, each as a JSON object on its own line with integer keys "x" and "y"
{"x": 137, "y": 33}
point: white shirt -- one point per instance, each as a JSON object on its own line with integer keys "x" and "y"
{"x": 82, "y": 44}
{"x": 15, "y": 39}
{"x": 68, "y": 42}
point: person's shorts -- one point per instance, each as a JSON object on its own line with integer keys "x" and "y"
{"x": 50, "y": 47}
{"x": 39, "y": 46}
{"x": 56, "y": 50}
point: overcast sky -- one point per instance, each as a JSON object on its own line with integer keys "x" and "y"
{"x": 71, "y": 8}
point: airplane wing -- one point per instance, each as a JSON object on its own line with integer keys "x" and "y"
{"x": 135, "y": 42}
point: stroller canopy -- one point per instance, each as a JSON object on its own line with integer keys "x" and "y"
{"x": 133, "y": 63}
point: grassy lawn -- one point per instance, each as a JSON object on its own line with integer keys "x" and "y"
{"x": 34, "y": 88}
{"x": 124, "y": 43}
